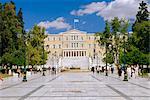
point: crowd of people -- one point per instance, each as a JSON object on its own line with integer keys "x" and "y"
{"x": 132, "y": 71}
{"x": 102, "y": 69}
{"x": 20, "y": 71}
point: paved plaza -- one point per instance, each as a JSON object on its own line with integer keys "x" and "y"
{"x": 74, "y": 86}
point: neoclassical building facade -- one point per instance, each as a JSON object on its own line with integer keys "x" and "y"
{"x": 73, "y": 48}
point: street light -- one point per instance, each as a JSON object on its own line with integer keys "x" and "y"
{"x": 24, "y": 42}
{"x": 124, "y": 65}
{"x": 106, "y": 59}
{"x": 43, "y": 60}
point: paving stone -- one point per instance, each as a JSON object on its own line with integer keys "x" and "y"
{"x": 75, "y": 86}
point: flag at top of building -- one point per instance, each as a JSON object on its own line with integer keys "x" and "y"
{"x": 76, "y": 20}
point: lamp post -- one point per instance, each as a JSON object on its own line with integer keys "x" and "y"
{"x": 124, "y": 62}
{"x": 24, "y": 42}
{"x": 97, "y": 59}
{"x": 43, "y": 74}
{"x": 106, "y": 59}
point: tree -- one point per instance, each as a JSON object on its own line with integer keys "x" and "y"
{"x": 141, "y": 28}
{"x": 116, "y": 25}
{"x": 142, "y": 14}
{"x": 35, "y": 43}
{"x": 11, "y": 32}
{"x": 21, "y": 38}
{"x": 124, "y": 42}
{"x": 1, "y": 27}
{"x": 8, "y": 31}
{"x": 105, "y": 39}
{"x": 141, "y": 34}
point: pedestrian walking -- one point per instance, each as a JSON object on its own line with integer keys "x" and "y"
{"x": 112, "y": 70}
{"x": 136, "y": 71}
{"x": 119, "y": 71}
{"x": 93, "y": 70}
{"x": 129, "y": 72}
{"x": 98, "y": 69}
{"x": 132, "y": 71}
{"x": 102, "y": 68}
{"x": 19, "y": 72}
{"x": 49, "y": 68}
{"x": 53, "y": 70}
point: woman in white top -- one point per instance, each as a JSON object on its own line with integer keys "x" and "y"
{"x": 129, "y": 72}
{"x": 136, "y": 71}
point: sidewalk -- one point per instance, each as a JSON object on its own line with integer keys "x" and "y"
{"x": 73, "y": 86}
{"x": 15, "y": 80}
{"x": 143, "y": 82}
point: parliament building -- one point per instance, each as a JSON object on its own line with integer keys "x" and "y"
{"x": 73, "y": 48}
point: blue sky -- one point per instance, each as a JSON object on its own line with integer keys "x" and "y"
{"x": 91, "y": 13}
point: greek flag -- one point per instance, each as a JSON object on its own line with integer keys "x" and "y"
{"x": 76, "y": 20}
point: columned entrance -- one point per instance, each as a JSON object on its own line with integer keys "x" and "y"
{"x": 75, "y": 59}
{"x": 74, "y": 53}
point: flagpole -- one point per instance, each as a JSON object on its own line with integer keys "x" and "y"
{"x": 75, "y": 21}
{"x": 74, "y": 24}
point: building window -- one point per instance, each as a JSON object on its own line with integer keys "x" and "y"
{"x": 48, "y": 39}
{"x": 89, "y": 45}
{"x": 74, "y": 53}
{"x": 81, "y": 38}
{"x": 64, "y": 53}
{"x": 77, "y": 45}
{"x": 54, "y": 46}
{"x": 89, "y": 38}
{"x": 66, "y": 38}
{"x": 77, "y": 37}
{"x": 59, "y": 39}
{"x": 71, "y": 37}
{"x": 54, "y": 38}
{"x": 82, "y": 45}
{"x": 72, "y": 45}
{"x": 82, "y": 53}
{"x": 59, "y": 46}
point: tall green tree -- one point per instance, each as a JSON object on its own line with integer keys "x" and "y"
{"x": 35, "y": 44}
{"x": 116, "y": 27}
{"x": 141, "y": 34}
{"x": 9, "y": 33}
{"x": 142, "y": 14}
{"x": 1, "y": 27}
{"x": 141, "y": 28}
{"x": 124, "y": 41}
{"x": 105, "y": 39}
